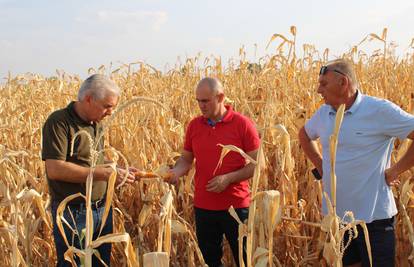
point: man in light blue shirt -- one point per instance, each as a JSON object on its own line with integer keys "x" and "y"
{"x": 364, "y": 176}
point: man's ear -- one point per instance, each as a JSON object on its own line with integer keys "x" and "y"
{"x": 344, "y": 81}
{"x": 88, "y": 99}
{"x": 220, "y": 97}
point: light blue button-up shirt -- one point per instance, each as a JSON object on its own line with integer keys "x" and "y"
{"x": 365, "y": 143}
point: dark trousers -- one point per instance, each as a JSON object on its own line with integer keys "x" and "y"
{"x": 210, "y": 227}
{"x": 78, "y": 221}
{"x": 382, "y": 239}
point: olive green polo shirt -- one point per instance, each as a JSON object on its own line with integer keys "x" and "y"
{"x": 58, "y": 131}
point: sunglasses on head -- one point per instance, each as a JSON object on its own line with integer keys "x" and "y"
{"x": 325, "y": 69}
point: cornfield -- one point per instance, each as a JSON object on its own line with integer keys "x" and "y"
{"x": 154, "y": 219}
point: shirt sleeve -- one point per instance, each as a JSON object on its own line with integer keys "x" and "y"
{"x": 395, "y": 121}
{"x": 188, "y": 138}
{"x": 54, "y": 140}
{"x": 251, "y": 139}
{"x": 313, "y": 125}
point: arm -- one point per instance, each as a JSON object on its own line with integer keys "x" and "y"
{"x": 311, "y": 150}
{"x": 405, "y": 163}
{"x": 121, "y": 172}
{"x": 219, "y": 183}
{"x": 54, "y": 153}
{"x": 70, "y": 172}
{"x": 182, "y": 166}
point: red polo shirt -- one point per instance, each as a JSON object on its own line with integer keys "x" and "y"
{"x": 202, "y": 140}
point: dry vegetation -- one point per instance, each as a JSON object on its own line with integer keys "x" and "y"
{"x": 279, "y": 93}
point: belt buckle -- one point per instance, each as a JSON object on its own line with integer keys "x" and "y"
{"x": 98, "y": 203}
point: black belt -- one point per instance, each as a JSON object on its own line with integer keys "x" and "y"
{"x": 95, "y": 204}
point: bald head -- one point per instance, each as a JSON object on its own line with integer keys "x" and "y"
{"x": 212, "y": 83}
{"x": 210, "y": 98}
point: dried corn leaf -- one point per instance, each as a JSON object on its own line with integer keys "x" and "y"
{"x": 178, "y": 227}
{"x": 156, "y": 259}
{"x": 144, "y": 214}
{"x": 228, "y": 148}
{"x": 109, "y": 197}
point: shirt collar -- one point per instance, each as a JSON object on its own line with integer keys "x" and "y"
{"x": 353, "y": 108}
{"x": 227, "y": 117}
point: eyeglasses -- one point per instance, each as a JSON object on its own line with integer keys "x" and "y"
{"x": 325, "y": 69}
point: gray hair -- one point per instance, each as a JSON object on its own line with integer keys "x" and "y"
{"x": 213, "y": 83}
{"x": 98, "y": 86}
{"x": 345, "y": 66}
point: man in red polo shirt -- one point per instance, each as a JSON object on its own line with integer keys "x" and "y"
{"x": 216, "y": 191}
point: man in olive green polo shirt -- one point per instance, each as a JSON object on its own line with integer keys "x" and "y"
{"x": 66, "y": 174}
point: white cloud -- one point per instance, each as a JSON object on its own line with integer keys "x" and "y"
{"x": 133, "y": 18}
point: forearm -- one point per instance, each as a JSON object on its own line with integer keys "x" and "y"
{"x": 406, "y": 161}
{"x": 242, "y": 174}
{"x": 181, "y": 167}
{"x": 312, "y": 153}
{"x": 73, "y": 173}
{"x": 311, "y": 150}
{"x": 220, "y": 182}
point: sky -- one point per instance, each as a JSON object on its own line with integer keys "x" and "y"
{"x": 43, "y": 36}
